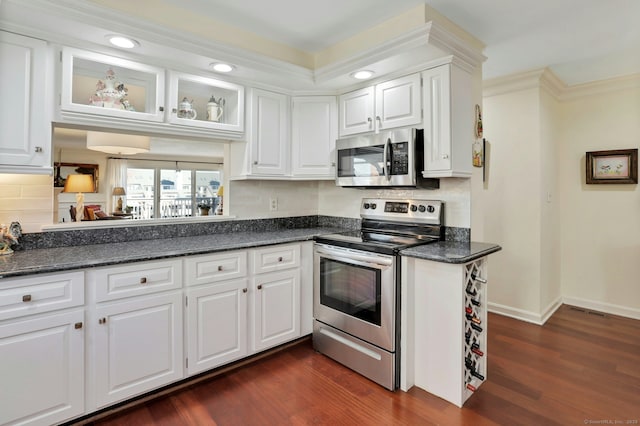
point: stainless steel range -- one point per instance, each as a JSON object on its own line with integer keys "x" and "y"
{"x": 356, "y": 284}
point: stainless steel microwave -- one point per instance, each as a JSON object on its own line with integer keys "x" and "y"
{"x": 392, "y": 158}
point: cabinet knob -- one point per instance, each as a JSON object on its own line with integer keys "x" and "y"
{"x": 143, "y": 280}
{"x": 26, "y": 298}
{"x": 445, "y": 156}
{"x": 77, "y": 325}
{"x": 255, "y": 163}
{"x": 260, "y": 287}
{"x": 333, "y": 164}
{"x": 102, "y": 321}
{"x": 369, "y": 120}
{"x": 161, "y": 109}
{"x": 174, "y": 110}
{"x": 244, "y": 290}
{"x": 39, "y": 149}
{"x": 280, "y": 259}
{"x": 220, "y": 268}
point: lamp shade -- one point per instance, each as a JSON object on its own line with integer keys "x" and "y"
{"x": 117, "y": 143}
{"x": 79, "y": 183}
{"x": 118, "y": 190}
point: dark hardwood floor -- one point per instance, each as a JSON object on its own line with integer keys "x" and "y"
{"x": 579, "y": 368}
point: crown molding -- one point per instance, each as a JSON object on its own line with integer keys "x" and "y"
{"x": 547, "y": 80}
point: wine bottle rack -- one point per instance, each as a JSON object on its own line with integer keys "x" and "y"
{"x": 475, "y": 327}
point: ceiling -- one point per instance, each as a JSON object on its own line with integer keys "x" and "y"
{"x": 580, "y": 40}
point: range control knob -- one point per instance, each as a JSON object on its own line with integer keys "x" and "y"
{"x": 373, "y": 206}
{"x": 422, "y": 208}
{"x": 366, "y": 206}
{"x": 413, "y": 207}
{"x": 431, "y": 209}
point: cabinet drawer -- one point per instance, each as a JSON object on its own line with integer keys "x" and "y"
{"x": 215, "y": 267}
{"x": 135, "y": 279}
{"x": 41, "y": 293}
{"x": 276, "y": 258}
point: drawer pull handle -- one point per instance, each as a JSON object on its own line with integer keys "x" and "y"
{"x": 260, "y": 287}
{"x": 220, "y": 268}
{"x": 280, "y": 259}
{"x": 102, "y": 321}
{"x": 143, "y": 280}
{"x": 78, "y": 325}
{"x": 26, "y": 298}
{"x": 244, "y": 290}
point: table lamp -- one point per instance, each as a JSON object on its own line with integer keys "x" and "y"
{"x": 119, "y": 191}
{"x": 79, "y": 184}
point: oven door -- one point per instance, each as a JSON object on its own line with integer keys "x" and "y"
{"x": 355, "y": 292}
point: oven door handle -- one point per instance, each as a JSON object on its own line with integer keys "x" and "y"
{"x": 348, "y": 255}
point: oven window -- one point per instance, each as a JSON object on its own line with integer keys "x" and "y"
{"x": 352, "y": 289}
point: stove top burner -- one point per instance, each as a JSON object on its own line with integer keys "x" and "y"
{"x": 389, "y": 226}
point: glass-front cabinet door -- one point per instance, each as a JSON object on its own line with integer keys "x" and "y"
{"x": 204, "y": 102}
{"x": 99, "y": 84}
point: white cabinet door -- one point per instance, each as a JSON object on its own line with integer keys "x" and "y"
{"x": 25, "y": 126}
{"x": 398, "y": 102}
{"x": 268, "y": 133}
{"x": 448, "y": 122}
{"x": 276, "y": 308}
{"x": 216, "y": 324}
{"x": 42, "y": 369}
{"x": 136, "y": 346}
{"x": 313, "y": 137}
{"x": 357, "y": 111}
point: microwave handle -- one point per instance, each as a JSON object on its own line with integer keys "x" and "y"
{"x": 385, "y": 159}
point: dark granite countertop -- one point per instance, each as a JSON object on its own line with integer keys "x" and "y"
{"x": 451, "y": 251}
{"x": 36, "y": 261}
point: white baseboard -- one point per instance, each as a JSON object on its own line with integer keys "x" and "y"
{"x": 606, "y": 308}
{"x": 515, "y": 313}
{"x": 540, "y": 319}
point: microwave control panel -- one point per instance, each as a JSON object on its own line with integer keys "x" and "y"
{"x": 400, "y": 158}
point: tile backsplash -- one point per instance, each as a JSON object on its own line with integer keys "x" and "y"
{"x": 27, "y": 199}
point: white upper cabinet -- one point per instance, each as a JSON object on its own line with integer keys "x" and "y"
{"x": 357, "y": 111}
{"x": 448, "y": 122}
{"x": 25, "y": 124}
{"x": 119, "y": 93}
{"x": 103, "y": 85}
{"x": 205, "y": 102}
{"x": 314, "y": 132}
{"x": 395, "y": 103}
{"x": 266, "y": 153}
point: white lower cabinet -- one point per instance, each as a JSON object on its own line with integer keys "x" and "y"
{"x": 136, "y": 342}
{"x": 276, "y": 307}
{"x": 137, "y": 346}
{"x": 42, "y": 349}
{"x": 216, "y": 324}
{"x": 145, "y": 321}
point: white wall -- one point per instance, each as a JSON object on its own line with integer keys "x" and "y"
{"x": 563, "y": 240}
{"x": 251, "y": 198}
{"x": 600, "y": 223}
{"x": 507, "y": 208}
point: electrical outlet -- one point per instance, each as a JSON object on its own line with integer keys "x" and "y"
{"x": 273, "y": 204}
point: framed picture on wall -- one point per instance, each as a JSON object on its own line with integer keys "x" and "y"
{"x": 62, "y": 170}
{"x": 614, "y": 166}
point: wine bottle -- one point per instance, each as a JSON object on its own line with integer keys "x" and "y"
{"x": 474, "y": 373}
{"x": 468, "y": 310}
{"x": 475, "y": 302}
{"x": 471, "y": 387}
{"x": 476, "y": 327}
{"x": 477, "y": 278}
{"x": 471, "y": 292}
{"x": 477, "y": 351}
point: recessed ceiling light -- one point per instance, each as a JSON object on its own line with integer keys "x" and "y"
{"x": 222, "y": 67}
{"x": 362, "y": 74}
{"x": 122, "y": 41}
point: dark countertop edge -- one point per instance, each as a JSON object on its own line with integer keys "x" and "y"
{"x": 441, "y": 251}
{"x": 84, "y": 263}
{"x": 452, "y": 252}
